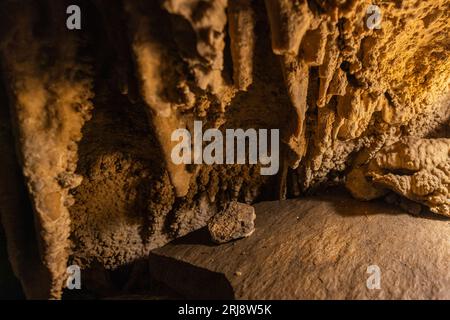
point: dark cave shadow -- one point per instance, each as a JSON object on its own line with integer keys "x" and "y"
{"x": 198, "y": 237}
{"x": 347, "y": 206}
{"x": 190, "y": 281}
{"x": 433, "y": 216}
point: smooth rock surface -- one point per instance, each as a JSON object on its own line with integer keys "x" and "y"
{"x": 315, "y": 248}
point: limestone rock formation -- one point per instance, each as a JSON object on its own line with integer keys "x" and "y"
{"x": 236, "y": 221}
{"x": 88, "y": 116}
{"x": 324, "y": 247}
{"x": 418, "y": 169}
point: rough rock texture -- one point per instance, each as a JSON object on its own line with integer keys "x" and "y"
{"x": 17, "y": 217}
{"x": 418, "y": 169}
{"x": 91, "y": 113}
{"x": 236, "y": 221}
{"x": 315, "y": 248}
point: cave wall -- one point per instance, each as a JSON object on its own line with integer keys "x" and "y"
{"x": 88, "y": 115}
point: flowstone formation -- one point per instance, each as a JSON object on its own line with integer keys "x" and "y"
{"x": 88, "y": 116}
{"x": 418, "y": 169}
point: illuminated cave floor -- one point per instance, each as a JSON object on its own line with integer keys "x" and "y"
{"x": 9, "y": 285}
{"x": 323, "y": 247}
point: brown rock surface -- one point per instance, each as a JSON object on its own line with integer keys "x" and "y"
{"x": 93, "y": 111}
{"x": 315, "y": 248}
{"x": 50, "y": 96}
{"x": 418, "y": 169}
